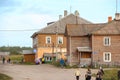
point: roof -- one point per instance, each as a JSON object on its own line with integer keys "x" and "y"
{"x": 82, "y": 29}
{"x": 84, "y": 49}
{"x": 49, "y": 54}
{"x": 4, "y": 53}
{"x": 28, "y": 52}
{"x": 59, "y": 26}
{"x": 111, "y": 28}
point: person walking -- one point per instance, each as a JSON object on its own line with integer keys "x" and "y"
{"x": 3, "y": 60}
{"x": 99, "y": 75}
{"x": 88, "y": 75}
{"x": 102, "y": 71}
{"x": 77, "y": 73}
{"x": 8, "y": 61}
{"x": 43, "y": 60}
{"x": 62, "y": 62}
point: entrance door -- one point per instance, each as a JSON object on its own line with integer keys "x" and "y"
{"x": 85, "y": 58}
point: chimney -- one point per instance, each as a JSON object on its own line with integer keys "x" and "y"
{"x": 65, "y": 13}
{"x": 60, "y": 16}
{"x": 117, "y": 16}
{"x": 109, "y": 18}
{"x": 76, "y": 13}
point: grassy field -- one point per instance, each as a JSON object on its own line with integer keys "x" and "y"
{"x": 110, "y": 74}
{"x": 16, "y": 58}
{"x": 4, "y": 77}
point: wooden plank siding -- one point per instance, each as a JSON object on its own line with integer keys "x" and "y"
{"x": 42, "y": 47}
{"x": 99, "y": 48}
{"x": 29, "y": 57}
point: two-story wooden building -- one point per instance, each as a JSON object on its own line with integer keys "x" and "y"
{"x": 51, "y": 39}
{"x": 94, "y": 43}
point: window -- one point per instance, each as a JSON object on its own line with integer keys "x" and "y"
{"x": 35, "y": 41}
{"x": 107, "y": 56}
{"x": 48, "y": 40}
{"x": 60, "y": 40}
{"x": 107, "y": 41}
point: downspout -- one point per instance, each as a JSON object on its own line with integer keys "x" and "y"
{"x": 80, "y": 59}
{"x": 92, "y": 59}
{"x": 70, "y": 50}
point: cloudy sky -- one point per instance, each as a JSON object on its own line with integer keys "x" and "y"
{"x": 19, "y": 19}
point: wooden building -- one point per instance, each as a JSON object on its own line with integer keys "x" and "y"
{"x": 29, "y": 56}
{"x": 94, "y": 43}
{"x": 51, "y": 39}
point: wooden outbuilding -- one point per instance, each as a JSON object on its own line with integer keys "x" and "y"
{"x": 29, "y": 56}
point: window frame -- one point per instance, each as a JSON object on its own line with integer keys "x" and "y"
{"x": 107, "y": 41}
{"x": 105, "y": 57}
{"x": 35, "y": 41}
{"x": 60, "y": 38}
{"x": 47, "y": 39}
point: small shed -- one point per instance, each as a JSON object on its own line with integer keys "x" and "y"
{"x": 29, "y": 56}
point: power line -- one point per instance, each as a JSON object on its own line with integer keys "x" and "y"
{"x": 19, "y": 29}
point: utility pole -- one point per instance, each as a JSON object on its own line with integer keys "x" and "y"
{"x": 56, "y": 43}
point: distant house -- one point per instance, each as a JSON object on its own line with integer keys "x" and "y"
{"x": 94, "y": 43}
{"x": 51, "y": 39}
{"x": 4, "y": 54}
{"x": 29, "y": 56}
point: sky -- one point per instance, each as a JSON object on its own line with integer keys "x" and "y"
{"x": 19, "y": 19}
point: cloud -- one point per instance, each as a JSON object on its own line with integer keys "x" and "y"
{"x": 34, "y": 14}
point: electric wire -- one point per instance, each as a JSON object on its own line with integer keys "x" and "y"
{"x": 7, "y": 30}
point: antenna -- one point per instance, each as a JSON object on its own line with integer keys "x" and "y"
{"x": 70, "y": 9}
{"x": 70, "y": 6}
{"x": 116, "y": 5}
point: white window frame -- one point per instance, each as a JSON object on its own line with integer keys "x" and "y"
{"x": 60, "y": 38}
{"x": 47, "y": 39}
{"x": 106, "y": 58}
{"x": 35, "y": 40}
{"x": 107, "y": 41}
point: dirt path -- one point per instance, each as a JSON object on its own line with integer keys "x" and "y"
{"x": 39, "y": 72}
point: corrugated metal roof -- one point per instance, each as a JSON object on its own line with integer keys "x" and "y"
{"x": 28, "y": 52}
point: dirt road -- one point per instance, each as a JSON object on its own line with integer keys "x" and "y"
{"x": 40, "y": 72}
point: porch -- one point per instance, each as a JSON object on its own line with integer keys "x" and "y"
{"x": 84, "y": 56}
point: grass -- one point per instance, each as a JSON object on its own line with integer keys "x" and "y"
{"x": 110, "y": 74}
{"x": 16, "y": 58}
{"x": 4, "y": 77}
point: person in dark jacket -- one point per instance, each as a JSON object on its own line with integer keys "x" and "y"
{"x": 88, "y": 74}
{"x": 62, "y": 62}
{"x": 3, "y": 60}
{"x": 99, "y": 75}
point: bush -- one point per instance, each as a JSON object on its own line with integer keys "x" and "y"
{"x": 15, "y": 59}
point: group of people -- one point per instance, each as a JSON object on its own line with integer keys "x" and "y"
{"x": 4, "y": 59}
{"x": 40, "y": 61}
{"x": 88, "y": 74}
